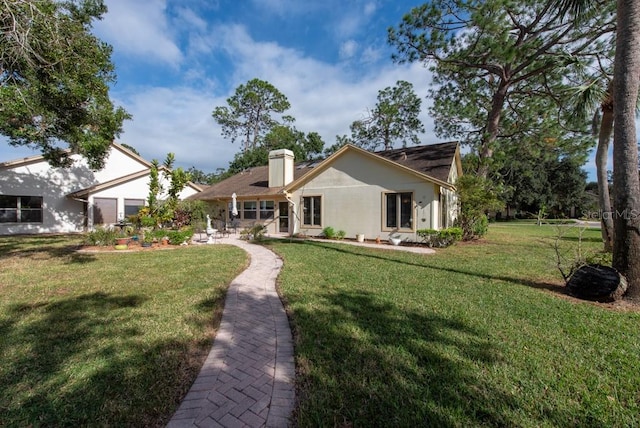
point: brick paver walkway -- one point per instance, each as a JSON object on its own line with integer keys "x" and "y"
{"x": 248, "y": 377}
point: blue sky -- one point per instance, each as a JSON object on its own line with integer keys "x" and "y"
{"x": 176, "y": 60}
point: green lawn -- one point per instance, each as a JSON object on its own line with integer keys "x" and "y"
{"x": 475, "y": 335}
{"x": 104, "y": 339}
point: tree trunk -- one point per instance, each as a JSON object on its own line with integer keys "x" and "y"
{"x": 604, "y": 136}
{"x": 493, "y": 126}
{"x": 626, "y": 245}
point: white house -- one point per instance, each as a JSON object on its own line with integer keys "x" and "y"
{"x": 37, "y": 198}
{"x": 388, "y": 193}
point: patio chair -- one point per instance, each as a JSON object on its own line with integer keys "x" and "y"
{"x": 222, "y": 229}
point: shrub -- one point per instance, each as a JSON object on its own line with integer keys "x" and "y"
{"x": 255, "y": 233}
{"x": 102, "y": 236}
{"x": 341, "y": 234}
{"x": 452, "y": 234}
{"x": 177, "y": 237}
{"x": 476, "y": 196}
{"x": 329, "y": 232}
{"x": 190, "y": 213}
{"x": 440, "y": 238}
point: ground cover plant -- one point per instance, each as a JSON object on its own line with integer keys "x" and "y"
{"x": 105, "y": 339}
{"x": 478, "y": 334}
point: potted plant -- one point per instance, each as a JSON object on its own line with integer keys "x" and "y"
{"x": 122, "y": 240}
{"x": 147, "y": 240}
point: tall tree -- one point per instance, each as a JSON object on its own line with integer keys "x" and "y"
{"x": 544, "y": 175}
{"x": 495, "y": 55}
{"x": 596, "y": 95}
{"x": 394, "y": 118}
{"x": 54, "y": 77}
{"x": 626, "y": 185}
{"x": 249, "y": 112}
{"x": 626, "y": 182}
{"x": 304, "y": 147}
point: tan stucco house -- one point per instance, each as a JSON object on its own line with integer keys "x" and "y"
{"x": 382, "y": 194}
{"x": 37, "y": 198}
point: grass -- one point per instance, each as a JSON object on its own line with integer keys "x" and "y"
{"x": 104, "y": 339}
{"x": 475, "y": 335}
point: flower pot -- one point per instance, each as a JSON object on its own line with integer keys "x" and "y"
{"x": 121, "y": 247}
{"x": 360, "y": 237}
{"x": 164, "y": 242}
{"x": 146, "y": 244}
{"x": 122, "y": 241}
{"x": 395, "y": 241}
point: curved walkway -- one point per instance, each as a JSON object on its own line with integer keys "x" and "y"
{"x": 248, "y": 377}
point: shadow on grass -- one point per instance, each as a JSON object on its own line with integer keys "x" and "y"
{"x": 83, "y": 361}
{"x": 582, "y": 239}
{"x": 371, "y": 364}
{"x": 389, "y": 256}
{"x": 50, "y": 246}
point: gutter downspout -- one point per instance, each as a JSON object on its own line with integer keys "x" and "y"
{"x": 294, "y": 211}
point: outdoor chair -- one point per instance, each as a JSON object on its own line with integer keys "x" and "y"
{"x": 222, "y": 229}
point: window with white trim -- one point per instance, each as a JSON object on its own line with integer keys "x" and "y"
{"x": 312, "y": 211}
{"x": 20, "y": 209}
{"x": 398, "y": 211}
{"x": 266, "y": 210}
{"x": 249, "y": 210}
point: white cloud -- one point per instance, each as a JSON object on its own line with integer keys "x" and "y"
{"x": 139, "y": 29}
{"x": 370, "y": 8}
{"x": 371, "y": 55}
{"x": 176, "y": 120}
{"x": 324, "y": 98}
{"x": 348, "y": 49}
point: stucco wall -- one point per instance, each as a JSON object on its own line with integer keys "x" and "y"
{"x": 60, "y": 213}
{"x": 352, "y": 190}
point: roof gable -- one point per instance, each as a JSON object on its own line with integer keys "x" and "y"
{"x": 421, "y": 161}
{"x": 429, "y": 162}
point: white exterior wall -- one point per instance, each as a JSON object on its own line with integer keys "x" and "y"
{"x": 59, "y": 214}
{"x": 62, "y": 214}
{"x": 352, "y": 191}
{"x": 133, "y": 189}
{"x": 117, "y": 164}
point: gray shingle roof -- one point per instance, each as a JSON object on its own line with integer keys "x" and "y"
{"x": 434, "y": 160}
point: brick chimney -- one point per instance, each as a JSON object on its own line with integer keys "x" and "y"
{"x": 280, "y": 167}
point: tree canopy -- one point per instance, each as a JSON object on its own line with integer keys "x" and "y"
{"x": 304, "y": 147}
{"x": 499, "y": 67}
{"x": 249, "y": 114}
{"x": 54, "y": 77}
{"x": 394, "y": 118}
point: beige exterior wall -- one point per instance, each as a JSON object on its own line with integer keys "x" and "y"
{"x": 220, "y": 209}
{"x": 352, "y": 191}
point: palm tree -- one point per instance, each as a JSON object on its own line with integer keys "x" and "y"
{"x": 597, "y": 96}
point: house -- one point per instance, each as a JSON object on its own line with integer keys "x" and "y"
{"x": 38, "y": 198}
{"x": 388, "y": 193}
